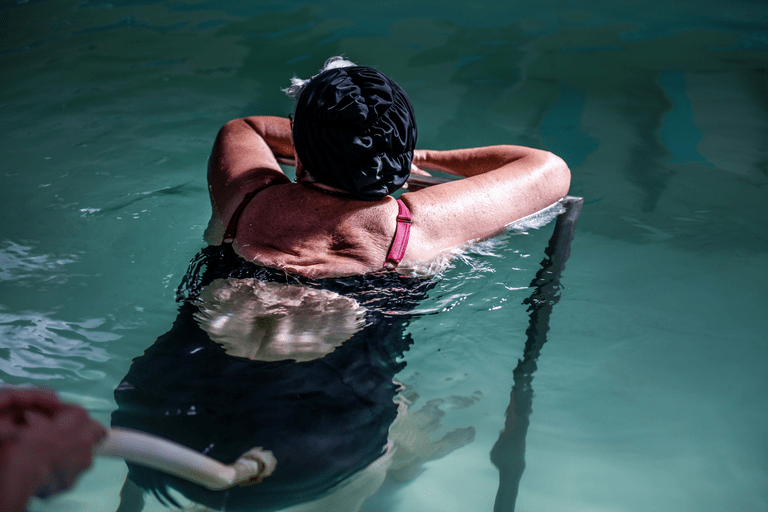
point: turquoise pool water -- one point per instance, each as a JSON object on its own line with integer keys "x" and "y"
{"x": 650, "y": 394}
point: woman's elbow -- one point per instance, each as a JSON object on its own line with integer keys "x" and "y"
{"x": 556, "y": 175}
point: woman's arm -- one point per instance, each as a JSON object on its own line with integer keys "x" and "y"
{"x": 245, "y": 159}
{"x": 502, "y": 184}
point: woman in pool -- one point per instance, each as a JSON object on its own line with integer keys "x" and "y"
{"x": 292, "y": 328}
{"x": 353, "y": 139}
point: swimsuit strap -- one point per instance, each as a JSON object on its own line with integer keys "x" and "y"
{"x": 402, "y": 233}
{"x": 229, "y": 234}
{"x": 396, "y": 251}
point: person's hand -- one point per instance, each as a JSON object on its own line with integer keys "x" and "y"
{"x": 286, "y": 160}
{"x": 419, "y": 158}
{"x": 418, "y": 171}
{"x": 14, "y": 401}
{"x": 415, "y": 171}
{"x": 44, "y": 445}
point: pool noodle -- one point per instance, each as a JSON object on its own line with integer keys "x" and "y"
{"x": 176, "y": 459}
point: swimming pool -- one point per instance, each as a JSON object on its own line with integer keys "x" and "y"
{"x": 650, "y": 393}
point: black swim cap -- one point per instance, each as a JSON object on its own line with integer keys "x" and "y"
{"x": 354, "y": 129}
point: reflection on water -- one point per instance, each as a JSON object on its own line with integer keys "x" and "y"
{"x": 19, "y": 263}
{"x": 273, "y": 322}
{"x": 36, "y": 346}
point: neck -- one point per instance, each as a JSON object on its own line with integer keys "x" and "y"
{"x": 322, "y": 187}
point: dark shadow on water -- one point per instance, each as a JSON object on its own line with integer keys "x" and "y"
{"x": 177, "y": 190}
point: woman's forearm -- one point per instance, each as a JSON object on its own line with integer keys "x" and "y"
{"x": 276, "y": 132}
{"x": 472, "y": 161}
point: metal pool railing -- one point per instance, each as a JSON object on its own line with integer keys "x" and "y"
{"x": 508, "y": 454}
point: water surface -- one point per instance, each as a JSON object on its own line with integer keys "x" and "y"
{"x": 650, "y": 393}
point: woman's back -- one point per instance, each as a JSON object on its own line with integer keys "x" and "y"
{"x": 308, "y": 232}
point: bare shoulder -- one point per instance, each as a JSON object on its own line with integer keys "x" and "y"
{"x": 242, "y": 162}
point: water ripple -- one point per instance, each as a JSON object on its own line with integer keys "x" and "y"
{"x": 37, "y": 346}
{"x": 17, "y": 262}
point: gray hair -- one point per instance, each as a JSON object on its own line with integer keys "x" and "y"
{"x": 298, "y": 85}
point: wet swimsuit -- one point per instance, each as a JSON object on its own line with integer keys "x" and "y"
{"x": 324, "y": 419}
{"x": 396, "y": 251}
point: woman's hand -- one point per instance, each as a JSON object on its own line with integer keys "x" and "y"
{"x": 418, "y": 171}
{"x": 44, "y": 445}
{"x": 415, "y": 171}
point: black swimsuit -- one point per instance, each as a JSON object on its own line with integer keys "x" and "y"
{"x": 324, "y": 419}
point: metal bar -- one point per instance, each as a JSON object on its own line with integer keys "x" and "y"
{"x": 508, "y": 454}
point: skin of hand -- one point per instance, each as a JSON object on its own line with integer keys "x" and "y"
{"x": 44, "y": 445}
{"x": 416, "y": 171}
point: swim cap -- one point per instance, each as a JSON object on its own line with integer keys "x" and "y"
{"x": 354, "y": 129}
